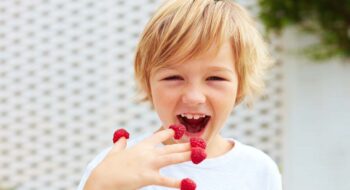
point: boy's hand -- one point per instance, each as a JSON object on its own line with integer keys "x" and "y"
{"x": 129, "y": 169}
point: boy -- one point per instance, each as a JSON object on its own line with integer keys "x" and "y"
{"x": 196, "y": 60}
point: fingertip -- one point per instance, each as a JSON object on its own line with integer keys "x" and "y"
{"x": 177, "y": 183}
{"x": 188, "y": 145}
{"x": 171, "y": 131}
{"x": 170, "y": 134}
{"x": 120, "y": 144}
{"x": 169, "y": 182}
{"x": 187, "y": 155}
{"x": 124, "y": 139}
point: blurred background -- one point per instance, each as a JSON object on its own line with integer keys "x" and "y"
{"x": 66, "y": 83}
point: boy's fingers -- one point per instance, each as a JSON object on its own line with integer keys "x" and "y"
{"x": 119, "y": 145}
{"x": 160, "y": 136}
{"x": 174, "y": 158}
{"x": 168, "y": 182}
{"x": 174, "y": 148}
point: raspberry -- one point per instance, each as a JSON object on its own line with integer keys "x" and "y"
{"x": 188, "y": 184}
{"x": 179, "y": 130}
{"x": 120, "y": 133}
{"x": 198, "y": 155}
{"x": 198, "y": 142}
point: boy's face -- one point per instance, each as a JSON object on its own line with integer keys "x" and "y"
{"x": 198, "y": 93}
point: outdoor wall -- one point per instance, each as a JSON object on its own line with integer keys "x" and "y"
{"x": 66, "y": 83}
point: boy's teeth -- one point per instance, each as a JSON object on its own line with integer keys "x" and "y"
{"x": 190, "y": 116}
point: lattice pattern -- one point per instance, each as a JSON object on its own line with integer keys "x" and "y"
{"x": 66, "y": 82}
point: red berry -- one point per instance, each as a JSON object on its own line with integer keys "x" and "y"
{"x": 198, "y": 142}
{"x": 188, "y": 184}
{"x": 198, "y": 155}
{"x": 120, "y": 133}
{"x": 179, "y": 130}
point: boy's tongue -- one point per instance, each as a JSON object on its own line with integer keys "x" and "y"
{"x": 194, "y": 121}
{"x": 193, "y": 125}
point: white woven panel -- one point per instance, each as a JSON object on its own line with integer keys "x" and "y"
{"x": 66, "y": 82}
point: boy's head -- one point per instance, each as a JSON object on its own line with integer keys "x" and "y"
{"x": 182, "y": 30}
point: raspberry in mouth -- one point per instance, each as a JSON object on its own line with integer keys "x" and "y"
{"x": 194, "y": 125}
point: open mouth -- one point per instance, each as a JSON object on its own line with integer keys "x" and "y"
{"x": 193, "y": 124}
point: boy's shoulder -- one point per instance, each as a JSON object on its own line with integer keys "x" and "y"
{"x": 255, "y": 156}
{"x": 249, "y": 151}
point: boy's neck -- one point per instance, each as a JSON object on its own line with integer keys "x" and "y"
{"x": 218, "y": 147}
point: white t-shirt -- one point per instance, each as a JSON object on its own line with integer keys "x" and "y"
{"x": 242, "y": 168}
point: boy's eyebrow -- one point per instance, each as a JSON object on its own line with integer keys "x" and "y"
{"x": 211, "y": 68}
{"x": 216, "y": 68}
{"x": 165, "y": 68}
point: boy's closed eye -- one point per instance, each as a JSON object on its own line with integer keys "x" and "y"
{"x": 173, "y": 77}
{"x": 212, "y": 78}
{"x": 217, "y": 78}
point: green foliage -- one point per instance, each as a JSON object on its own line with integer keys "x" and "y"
{"x": 330, "y": 19}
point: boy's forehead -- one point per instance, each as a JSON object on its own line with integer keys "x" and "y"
{"x": 215, "y": 52}
{"x": 201, "y": 54}
{"x": 166, "y": 67}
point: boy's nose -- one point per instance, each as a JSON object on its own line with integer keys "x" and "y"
{"x": 193, "y": 96}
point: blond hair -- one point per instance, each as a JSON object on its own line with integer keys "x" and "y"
{"x": 183, "y": 29}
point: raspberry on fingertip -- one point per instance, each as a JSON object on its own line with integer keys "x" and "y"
{"x": 120, "y": 133}
{"x": 198, "y": 155}
{"x": 188, "y": 184}
{"x": 179, "y": 130}
{"x": 198, "y": 142}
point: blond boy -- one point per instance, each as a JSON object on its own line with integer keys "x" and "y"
{"x": 196, "y": 60}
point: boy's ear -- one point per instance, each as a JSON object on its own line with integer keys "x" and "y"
{"x": 237, "y": 101}
{"x": 238, "y": 94}
{"x": 150, "y": 101}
